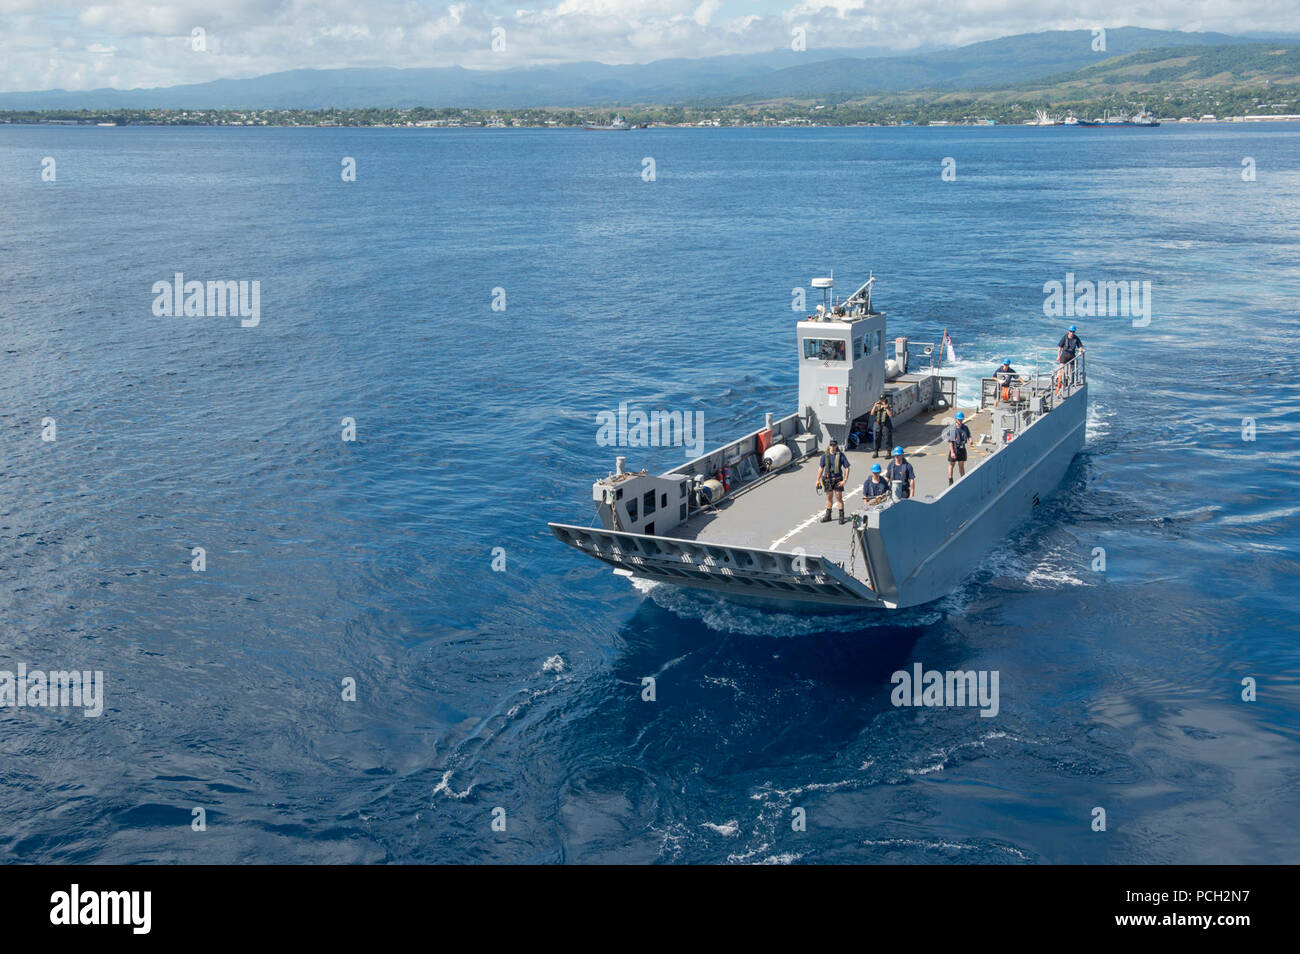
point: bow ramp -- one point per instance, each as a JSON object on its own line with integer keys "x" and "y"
{"x": 738, "y": 570}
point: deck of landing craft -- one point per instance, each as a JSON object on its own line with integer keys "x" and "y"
{"x": 782, "y": 511}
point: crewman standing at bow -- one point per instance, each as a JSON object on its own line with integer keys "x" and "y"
{"x": 876, "y": 488}
{"x": 899, "y": 469}
{"x": 831, "y": 475}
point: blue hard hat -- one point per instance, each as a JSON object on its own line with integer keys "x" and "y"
{"x": 1006, "y": 360}
{"x": 1072, "y": 327}
{"x": 898, "y": 451}
{"x": 961, "y": 416}
{"x": 875, "y": 468}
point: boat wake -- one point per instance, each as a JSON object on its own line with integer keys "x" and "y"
{"x": 724, "y": 616}
{"x": 1050, "y": 569}
{"x": 1099, "y": 419}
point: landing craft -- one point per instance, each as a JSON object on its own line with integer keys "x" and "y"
{"x": 742, "y": 519}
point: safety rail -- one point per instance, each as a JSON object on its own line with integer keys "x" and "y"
{"x": 1039, "y": 389}
{"x": 948, "y": 389}
{"x": 783, "y": 429}
{"x": 1057, "y": 381}
{"x": 922, "y": 357}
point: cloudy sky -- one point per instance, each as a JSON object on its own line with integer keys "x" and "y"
{"x": 46, "y": 44}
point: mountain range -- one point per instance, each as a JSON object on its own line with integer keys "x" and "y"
{"x": 1025, "y": 61}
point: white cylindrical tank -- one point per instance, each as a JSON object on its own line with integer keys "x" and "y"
{"x": 712, "y": 490}
{"x": 777, "y": 456}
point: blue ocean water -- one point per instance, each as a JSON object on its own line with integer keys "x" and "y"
{"x": 520, "y": 689}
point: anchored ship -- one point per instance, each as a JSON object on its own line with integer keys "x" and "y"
{"x": 743, "y": 520}
{"x": 618, "y": 124}
{"x": 1141, "y": 118}
{"x": 1041, "y": 118}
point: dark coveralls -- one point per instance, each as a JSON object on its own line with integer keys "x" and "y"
{"x": 882, "y": 421}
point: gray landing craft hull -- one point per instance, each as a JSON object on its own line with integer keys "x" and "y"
{"x": 912, "y": 552}
{"x": 919, "y": 551}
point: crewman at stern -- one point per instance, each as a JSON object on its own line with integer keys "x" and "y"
{"x": 1068, "y": 346}
{"x": 1066, "y": 350}
{"x": 831, "y": 475}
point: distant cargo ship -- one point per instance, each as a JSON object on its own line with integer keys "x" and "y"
{"x": 1140, "y": 118}
{"x": 1042, "y": 119}
{"x": 618, "y": 124}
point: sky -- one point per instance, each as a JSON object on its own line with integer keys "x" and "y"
{"x": 54, "y": 44}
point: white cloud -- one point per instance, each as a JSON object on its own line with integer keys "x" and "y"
{"x": 703, "y": 14}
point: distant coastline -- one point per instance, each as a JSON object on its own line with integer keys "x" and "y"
{"x": 789, "y": 117}
{"x": 1074, "y": 78}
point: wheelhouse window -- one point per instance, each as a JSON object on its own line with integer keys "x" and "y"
{"x": 824, "y": 349}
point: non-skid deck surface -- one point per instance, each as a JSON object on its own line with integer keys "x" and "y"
{"x": 783, "y": 511}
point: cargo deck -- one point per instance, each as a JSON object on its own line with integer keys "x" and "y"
{"x": 781, "y": 511}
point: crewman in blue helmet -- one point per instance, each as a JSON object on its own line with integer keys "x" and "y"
{"x": 957, "y": 434}
{"x": 899, "y": 469}
{"x": 1069, "y": 345}
{"x": 876, "y": 487}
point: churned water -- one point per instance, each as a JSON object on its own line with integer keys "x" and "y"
{"x": 515, "y": 692}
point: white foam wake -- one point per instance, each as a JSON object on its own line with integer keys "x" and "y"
{"x": 721, "y": 615}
